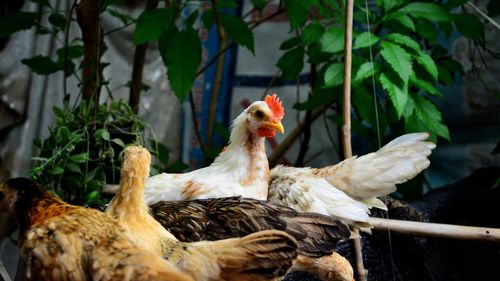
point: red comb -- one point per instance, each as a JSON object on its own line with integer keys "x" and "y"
{"x": 275, "y": 105}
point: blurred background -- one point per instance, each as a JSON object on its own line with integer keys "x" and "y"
{"x": 172, "y": 75}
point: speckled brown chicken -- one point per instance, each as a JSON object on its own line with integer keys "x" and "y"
{"x": 213, "y": 219}
{"x": 260, "y": 256}
{"x": 59, "y": 241}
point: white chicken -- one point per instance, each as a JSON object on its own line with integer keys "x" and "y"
{"x": 350, "y": 188}
{"x": 346, "y": 190}
{"x": 241, "y": 169}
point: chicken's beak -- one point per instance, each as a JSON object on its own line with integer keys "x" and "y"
{"x": 274, "y": 125}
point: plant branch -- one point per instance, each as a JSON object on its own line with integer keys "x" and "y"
{"x": 196, "y": 124}
{"x": 292, "y": 136}
{"x": 219, "y": 71}
{"x": 66, "y": 43}
{"x": 138, "y": 67}
{"x": 88, "y": 17}
{"x": 307, "y": 121}
{"x": 119, "y": 28}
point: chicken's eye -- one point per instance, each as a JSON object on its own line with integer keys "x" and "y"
{"x": 259, "y": 114}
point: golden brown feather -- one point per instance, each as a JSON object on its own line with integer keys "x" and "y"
{"x": 60, "y": 241}
{"x": 265, "y": 255}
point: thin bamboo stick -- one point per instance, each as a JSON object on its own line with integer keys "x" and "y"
{"x": 440, "y": 230}
{"x": 346, "y": 127}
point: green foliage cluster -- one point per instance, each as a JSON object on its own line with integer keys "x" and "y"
{"x": 400, "y": 54}
{"x": 399, "y": 57}
{"x": 82, "y": 151}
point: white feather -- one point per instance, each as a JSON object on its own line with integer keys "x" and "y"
{"x": 376, "y": 174}
{"x": 300, "y": 189}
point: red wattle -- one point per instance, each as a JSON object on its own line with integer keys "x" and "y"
{"x": 265, "y": 132}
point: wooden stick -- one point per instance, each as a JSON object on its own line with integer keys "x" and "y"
{"x": 346, "y": 127}
{"x": 439, "y": 230}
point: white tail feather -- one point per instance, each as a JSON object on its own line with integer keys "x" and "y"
{"x": 376, "y": 174}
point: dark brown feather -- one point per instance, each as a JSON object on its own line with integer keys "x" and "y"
{"x": 221, "y": 218}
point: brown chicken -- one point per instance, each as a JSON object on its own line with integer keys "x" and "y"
{"x": 265, "y": 255}
{"x": 213, "y": 219}
{"x": 220, "y": 218}
{"x": 60, "y": 241}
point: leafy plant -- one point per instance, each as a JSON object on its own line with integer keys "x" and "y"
{"x": 398, "y": 57}
{"x": 82, "y": 151}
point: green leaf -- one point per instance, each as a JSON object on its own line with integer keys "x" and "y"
{"x": 57, "y": 170}
{"x": 444, "y": 76}
{"x": 428, "y": 63}
{"x": 290, "y": 43}
{"x": 163, "y": 153}
{"x": 426, "y": 86}
{"x": 365, "y": 39}
{"x": 312, "y": 33}
{"x": 16, "y": 22}
{"x": 57, "y": 20}
{"x": 297, "y": 11}
{"x": 403, "y": 19}
{"x": 453, "y": 65}
{"x": 102, "y": 134}
{"x": 93, "y": 197}
{"x": 291, "y": 63}
{"x": 259, "y": 4}
{"x": 333, "y": 40}
{"x": 446, "y": 28}
{"x": 124, "y": 18}
{"x": 398, "y": 59}
{"x": 389, "y": 4}
{"x": 430, "y": 11}
{"x": 334, "y": 75}
{"x": 427, "y": 30}
{"x": 366, "y": 70}
{"x": 74, "y": 168}
{"x": 42, "y": 65}
{"x": 404, "y": 40}
{"x": 364, "y": 104}
{"x": 181, "y": 53}
{"x": 74, "y": 52}
{"x": 398, "y": 94}
{"x": 431, "y": 116}
{"x": 238, "y": 31}
{"x": 189, "y": 21}
{"x": 80, "y": 158}
{"x": 469, "y": 26}
{"x": 315, "y": 54}
{"x": 208, "y": 18}
{"x": 118, "y": 142}
{"x": 152, "y": 23}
